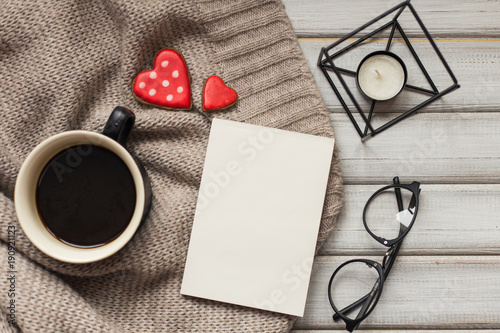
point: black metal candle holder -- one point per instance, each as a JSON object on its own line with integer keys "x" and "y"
{"x": 325, "y": 62}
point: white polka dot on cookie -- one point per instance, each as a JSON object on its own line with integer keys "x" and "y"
{"x": 152, "y": 92}
{"x": 165, "y": 83}
{"x": 153, "y": 75}
{"x": 170, "y": 97}
{"x": 142, "y": 85}
{"x": 175, "y": 74}
{"x": 164, "y": 64}
{"x": 180, "y": 89}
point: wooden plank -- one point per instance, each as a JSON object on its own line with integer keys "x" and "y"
{"x": 396, "y": 331}
{"x": 444, "y": 18}
{"x": 430, "y": 148}
{"x": 475, "y": 63}
{"x": 452, "y": 220}
{"x": 421, "y": 293}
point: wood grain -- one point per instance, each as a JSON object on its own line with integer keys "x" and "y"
{"x": 429, "y": 292}
{"x": 430, "y": 148}
{"x": 447, "y": 276}
{"x": 452, "y": 220}
{"x": 475, "y": 63}
{"x": 396, "y": 331}
{"x": 445, "y": 18}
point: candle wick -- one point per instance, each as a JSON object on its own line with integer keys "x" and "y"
{"x": 378, "y": 74}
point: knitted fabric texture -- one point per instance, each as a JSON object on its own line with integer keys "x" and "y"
{"x": 65, "y": 65}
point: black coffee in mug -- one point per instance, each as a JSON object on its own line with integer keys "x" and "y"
{"x": 86, "y": 196}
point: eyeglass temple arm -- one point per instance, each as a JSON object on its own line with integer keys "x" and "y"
{"x": 413, "y": 201}
{"x": 362, "y": 301}
{"x": 394, "y": 252}
{"x": 397, "y": 190}
{"x": 351, "y": 307}
{"x": 402, "y": 228}
{"x": 369, "y": 300}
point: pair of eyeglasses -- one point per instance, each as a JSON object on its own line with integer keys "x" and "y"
{"x": 356, "y": 286}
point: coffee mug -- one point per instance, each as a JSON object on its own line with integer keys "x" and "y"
{"x": 80, "y": 196}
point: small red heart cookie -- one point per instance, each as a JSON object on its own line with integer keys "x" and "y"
{"x": 167, "y": 85}
{"x": 216, "y": 95}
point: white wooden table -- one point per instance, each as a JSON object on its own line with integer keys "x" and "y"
{"x": 448, "y": 273}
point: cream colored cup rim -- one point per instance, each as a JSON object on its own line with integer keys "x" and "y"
{"x": 25, "y": 205}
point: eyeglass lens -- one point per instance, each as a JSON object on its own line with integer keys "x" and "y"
{"x": 351, "y": 283}
{"x": 384, "y": 218}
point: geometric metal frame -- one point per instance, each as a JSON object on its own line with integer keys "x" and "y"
{"x": 325, "y": 62}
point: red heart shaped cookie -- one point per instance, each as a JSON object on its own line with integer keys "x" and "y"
{"x": 216, "y": 95}
{"x": 167, "y": 85}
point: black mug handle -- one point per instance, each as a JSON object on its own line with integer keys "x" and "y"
{"x": 119, "y": 125}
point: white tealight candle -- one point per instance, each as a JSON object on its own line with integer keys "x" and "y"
{"x": 381, "y": 75}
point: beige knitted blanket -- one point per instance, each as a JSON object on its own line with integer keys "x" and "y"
{"x": 65, "y": 65}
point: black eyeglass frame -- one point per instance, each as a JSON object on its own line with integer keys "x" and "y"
{"x": 414, "y": 189}
{"x": 374, "y": 295}
{"x": 370, "y": 300}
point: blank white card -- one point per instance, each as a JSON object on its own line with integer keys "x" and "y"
{"x": 257, "y": 218}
